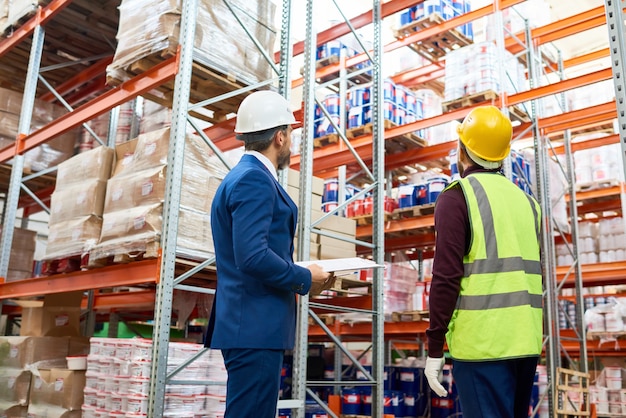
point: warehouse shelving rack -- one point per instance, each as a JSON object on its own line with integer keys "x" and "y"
{"x": 329, "y": 157}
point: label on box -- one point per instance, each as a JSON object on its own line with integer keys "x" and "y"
{"x": 11, "y": 382}
{"x": 81, "y": 198}
{"x": 151, "y": 148}
{"x": 58, "y": 385}
{"x": 146, "y": 188}
{"x": 127, "y": 159}
{"x": 117, "y": 194}
{"x": 61, "y": 320}
{"x": 139, "y": 222}
{"x": 76, "y": 233}
{"x": 13, "y": 351}
{"x": 38, "y": 382}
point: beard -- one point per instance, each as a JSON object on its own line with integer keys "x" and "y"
{"x": 284, "y": 157}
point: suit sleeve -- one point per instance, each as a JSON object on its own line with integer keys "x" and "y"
{"x": 252, "y": 202}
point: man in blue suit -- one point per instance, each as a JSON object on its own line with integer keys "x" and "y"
{"x": 253, "y": 220}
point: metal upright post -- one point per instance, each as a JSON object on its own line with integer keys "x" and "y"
{"x": 304, "y": 221}
{"x": 615, "y": 25}
{"x": 550, "y": 309}
{"x": 175, "y": 158}
{"x": 378, "y": 231}
{"x": 13, "y": 195}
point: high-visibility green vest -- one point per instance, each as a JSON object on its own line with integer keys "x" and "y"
{"x": 499, "y": 311}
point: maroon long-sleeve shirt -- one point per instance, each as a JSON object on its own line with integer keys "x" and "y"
{"x": 452, "y": 241}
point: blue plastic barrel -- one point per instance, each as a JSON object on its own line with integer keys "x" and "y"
{"x": 389, "y": 108}
{"x": 331, "y": 103}
{"x": 313, "y": 410}
{"x": 388, "y": 401}
{"x": 366, "y": 400}
{"x": 398, "y": 403}
{"x": 350, "y": 401}
{"x": 389, "y": 90}
{"x": 435, "y": 187}
{"x": 406, "y": 196}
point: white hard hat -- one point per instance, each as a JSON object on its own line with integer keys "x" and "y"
{"x": 263, "y": 110}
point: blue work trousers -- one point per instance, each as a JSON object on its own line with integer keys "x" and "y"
{"x": 495, "y": 389}
{"x": 253, "y": 382}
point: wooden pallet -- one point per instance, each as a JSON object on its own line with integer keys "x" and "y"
{"x": 67, "y": 264}
{"x": 327, "y": 319}
{"x": 596, "y": 185}
{"x": 436, "y": 46}
{"x": 413, "y": 211}
{"x": 151, "y": 252}
{"x": 322, "y": 141}
{"x": 367, "y": 219}
{"x": 347, "y": 284}
{"x": 471, "y": 99}
{"x": 408, "y": 316}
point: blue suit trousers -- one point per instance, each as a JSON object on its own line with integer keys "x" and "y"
{"x": 253, "y": 382}
{"x": 495, "y": 389}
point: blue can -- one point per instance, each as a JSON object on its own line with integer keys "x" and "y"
{"x": 366, "y": 400}
{"x": 358, "y": 96}
{"x": 351, "y": 401}
{"x": 468, "y": 29}
{"x": 435, "y": 187}
{"x": 446, "y": 9}
{"x": 359, "y": 116}
{"x": 388, "y": 401}
{"x": 389, "y": 108}
{"x": 399, "y": 116}
{"x": 389, "y": 91}
{"x": 313, "y": 410}
{"x": 432, "y": 6}
{"x": 406, "y": 17}
{"x": 406, "y": 199}
{"x": 332, "y": 103}
{"x": 398, "y": 403}
{"x": 331, "y": 191}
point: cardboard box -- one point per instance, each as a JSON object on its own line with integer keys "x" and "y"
{"x": 77, "y": 200}
{"x": 329, "y": 252}
{"x": 73, "y": 237}
{"x": 323, "y": 240}
{"x": 23, "y": 352}
{"x": 335, "y": 223}
{"x": 294, "y": 193}
{"x": 123, "y": 156}
{"x": 95, "y": 164}
{"x": 17, "y": 275}
{"x": 13, "y": 411}
{"x": 57, "y": 315}
{"x": 317, "y": 184}
{"x": 56, "y": 390}
{"x": 14, "y": 387}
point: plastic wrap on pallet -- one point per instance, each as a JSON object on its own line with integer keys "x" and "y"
{"x": 95, "y": 164}
{"x": 154, "y": 117}
{"x": 77, "y": 200}
{"x": 14, "y": 387}
{"x": 140, "y": 35}
{"x": 73, "y": 237}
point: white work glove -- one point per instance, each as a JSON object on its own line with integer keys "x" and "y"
{"x": 433, "y": 375}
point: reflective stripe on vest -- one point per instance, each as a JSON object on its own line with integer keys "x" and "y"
{"x": 498, "y": 314}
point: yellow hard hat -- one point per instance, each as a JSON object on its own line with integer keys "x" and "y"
{"x": 487, "y": 133}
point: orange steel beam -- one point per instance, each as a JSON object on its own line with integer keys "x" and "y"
{"x": 585, "y": 58}
{"x": 399, "y": 225}
{"x": 97, "y": 86}
{"x": 596, "y": 274}
{"x": 142, "y": 300}
{"x": 364, "y": 329}
{"x": 80, "y": 79}
{"x": 591, "y": 143}
{"x": 560, "y": 86}
{"x": 561, "y": 28}
{"x": 41, "y": 18}
{"x": 138, "y": 85}
{"x": 130, "y": 274}
{"x": 598, "y": 193}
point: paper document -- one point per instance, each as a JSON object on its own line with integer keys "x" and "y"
{"x": 342, "y": 264}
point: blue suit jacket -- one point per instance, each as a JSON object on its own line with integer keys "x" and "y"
{"x": 253, "y": 221}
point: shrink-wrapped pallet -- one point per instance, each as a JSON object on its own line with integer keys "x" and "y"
{"x": 77, "y": 203}
{"x": 133, "y": 210}
{"x": 221, "y": 42}
{"x": 46, "y": 155}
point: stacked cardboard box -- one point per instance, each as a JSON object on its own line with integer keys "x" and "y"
{"x": 22, "y": 254}
{"x": 77, "y": 202}
{"x": 133, "y": 208}
{"x": 24, "y": 358}
{"x": 141, "y": 34}
{"x": 43, "y": 156}
{"x": 322, "y": 246}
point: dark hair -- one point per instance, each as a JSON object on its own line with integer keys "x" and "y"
{"x": 261, "y": 140}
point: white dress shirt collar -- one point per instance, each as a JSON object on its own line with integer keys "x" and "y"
{"x": 266, "y": 162}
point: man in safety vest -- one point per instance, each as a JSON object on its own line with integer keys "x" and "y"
{"x": 486, "y": 290}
